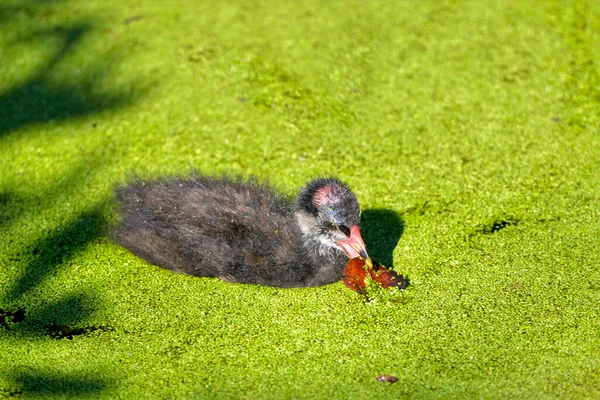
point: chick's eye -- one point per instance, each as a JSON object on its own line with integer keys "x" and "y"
{"x": 329, "y": 225}
{"x": 345, "y": 230}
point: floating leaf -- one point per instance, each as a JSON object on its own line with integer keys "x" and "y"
{"x": 387, "y": 378}
{"x": 358, "y": 269}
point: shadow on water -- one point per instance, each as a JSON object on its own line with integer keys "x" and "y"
{"x": 41, "y": 97}
{"x": 40, "y": 383}
{"x": 11, "y": 206}
{"x": 48, "y": 254}
{"x": 381, "y": 230}
{"x": 60, "y": 318}
{"x": 68, "y": 311}
{"x": 48, "y": 90}
{"x": 62, "y": 315}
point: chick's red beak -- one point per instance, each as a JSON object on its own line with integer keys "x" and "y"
{"x": 354, "y": 246}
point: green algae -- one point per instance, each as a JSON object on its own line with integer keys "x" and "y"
{"x": 469, "y": 131}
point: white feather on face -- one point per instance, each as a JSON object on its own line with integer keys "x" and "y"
{"x": 317, "y": 237}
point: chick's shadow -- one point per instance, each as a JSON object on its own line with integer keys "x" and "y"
{"x": 381, "y": 230}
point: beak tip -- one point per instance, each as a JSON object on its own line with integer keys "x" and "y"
{"x": 354, "y": 246}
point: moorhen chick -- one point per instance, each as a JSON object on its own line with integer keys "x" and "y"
{"x": 242, "y": 231}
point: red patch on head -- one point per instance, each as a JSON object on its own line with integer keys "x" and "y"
{"x": 324, "y": 196}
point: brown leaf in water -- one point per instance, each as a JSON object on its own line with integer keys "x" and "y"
{"x": 387, "y": 378}
{"x": 357, "y": 269}
{"x": 355, "y": 274}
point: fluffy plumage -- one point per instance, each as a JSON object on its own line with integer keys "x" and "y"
{"x": 241, "y": 231}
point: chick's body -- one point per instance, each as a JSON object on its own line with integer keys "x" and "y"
{"x": 237, "y": 231}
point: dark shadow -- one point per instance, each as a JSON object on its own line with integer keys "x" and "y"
{"x": 62, "y": 318}
{"x": 68, "y": 311}
{"x": 10, "y": 207}
{"x": 51, "y": 252}
{"x": 381, "y": 230}
{"x": 41, "y": 97}
{"x": 15, "y": 203}
{"x": 9, "y": 318}
{"x": 51, "y": 90}
{"x": 40, "y": 383}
